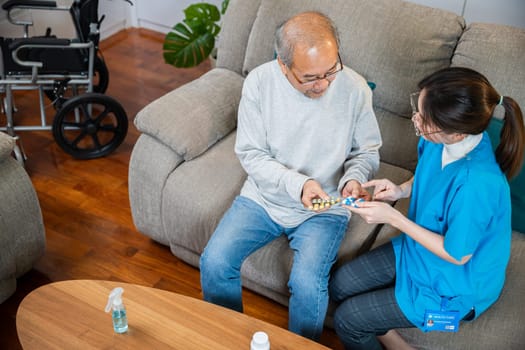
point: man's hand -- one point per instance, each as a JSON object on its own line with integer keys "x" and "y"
{"x": 311, "y": 190}
{"x": 354, "y": 189}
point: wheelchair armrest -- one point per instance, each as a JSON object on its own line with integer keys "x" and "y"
{"x": 38, "y": 42}
{"x": 44, "y": 43}
{"x": 8, "y": 5}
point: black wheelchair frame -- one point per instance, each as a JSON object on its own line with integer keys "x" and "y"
{"x": 87, "y": 124}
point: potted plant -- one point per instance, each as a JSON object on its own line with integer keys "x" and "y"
{"x": 191, "y": 41}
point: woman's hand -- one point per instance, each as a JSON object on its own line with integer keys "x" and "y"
{"x": 386, "y": 190}
{"x": 375, "y": 212}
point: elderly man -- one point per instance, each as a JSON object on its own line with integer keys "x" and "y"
{"x": 306, "y": 131}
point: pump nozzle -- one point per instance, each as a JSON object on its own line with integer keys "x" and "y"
{"x": 115, "y": 298}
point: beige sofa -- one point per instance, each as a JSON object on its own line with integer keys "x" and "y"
{"x": 22, "y": 236}
{"x": 183, "y": 172}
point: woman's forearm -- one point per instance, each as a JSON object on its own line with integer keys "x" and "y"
{"x": 406, "y": 188}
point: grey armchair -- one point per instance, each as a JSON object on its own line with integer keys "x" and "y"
{"x": 22, "y": 235}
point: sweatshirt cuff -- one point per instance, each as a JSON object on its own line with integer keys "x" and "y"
{"x": 295, "y": 185}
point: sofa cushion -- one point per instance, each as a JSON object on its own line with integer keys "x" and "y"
{"x": 378, "y": 40}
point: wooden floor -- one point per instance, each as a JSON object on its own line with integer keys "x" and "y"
{"x": 85, "y": 205}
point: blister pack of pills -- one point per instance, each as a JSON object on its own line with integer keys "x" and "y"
{"x": 318, "y": 203}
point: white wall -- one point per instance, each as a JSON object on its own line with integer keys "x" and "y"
{"x": 510, "y": 12}
{"x": 119, "y": 15}
{"x": 162, "y": 15}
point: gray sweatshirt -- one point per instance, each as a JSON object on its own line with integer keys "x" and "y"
{"x": 285, "y": 138}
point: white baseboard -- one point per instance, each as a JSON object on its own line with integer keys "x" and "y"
{"x": 158, "y": 27}
{"x": 113, "y": 28}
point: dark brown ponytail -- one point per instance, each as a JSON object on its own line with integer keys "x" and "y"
{"x": 510, "y": 150}
{"x": 461, "y": 100}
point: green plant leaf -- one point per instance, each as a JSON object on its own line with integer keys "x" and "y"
{"x": 187, "y": 48}
{"x": 203, "y": 11}
{"x": 205, "y": 14}
{"x": 224, "y": 6}
{"x": 191, "y": 42}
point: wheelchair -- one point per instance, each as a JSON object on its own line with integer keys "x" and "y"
{"x": 69, "y": 73}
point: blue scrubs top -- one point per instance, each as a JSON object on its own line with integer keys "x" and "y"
{"x": 467, "y": 202}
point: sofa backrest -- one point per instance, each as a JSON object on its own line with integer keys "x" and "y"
{"x": 498, "y": 52}
{"x": 390, "y": 42}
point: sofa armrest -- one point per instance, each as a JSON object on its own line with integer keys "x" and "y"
{"x": 195, "y": 116}
{"x": 22, "y": 232}
{"x": 7, "y": 143}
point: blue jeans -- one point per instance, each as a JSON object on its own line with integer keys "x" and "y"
{"x": 247, "y": 227}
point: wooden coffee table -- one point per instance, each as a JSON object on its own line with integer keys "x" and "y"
{"x": 70, "y": 315}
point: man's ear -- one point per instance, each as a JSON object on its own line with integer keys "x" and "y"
{"x": 282, "y": 65}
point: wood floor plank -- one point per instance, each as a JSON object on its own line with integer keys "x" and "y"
{"x": 85, "y": 204}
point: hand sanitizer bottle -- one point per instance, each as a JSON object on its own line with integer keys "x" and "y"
{"x": 120, "y": 320}
{"x": 260, "y": 341}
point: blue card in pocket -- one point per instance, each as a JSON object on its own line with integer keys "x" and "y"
{"x": 442, "y": 321}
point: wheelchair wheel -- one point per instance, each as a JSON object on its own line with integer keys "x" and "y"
{"x": 60, "y": 94}
{"x": 90, "y": 126}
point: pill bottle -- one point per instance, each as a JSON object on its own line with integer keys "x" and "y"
{"x": 260, "y": 341}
